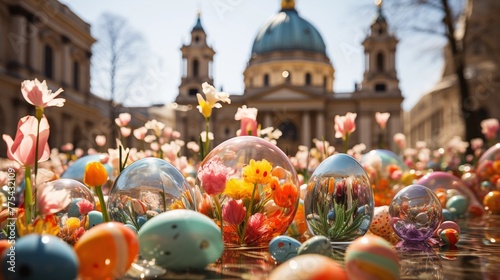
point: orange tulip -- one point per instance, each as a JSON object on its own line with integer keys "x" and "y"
{"x": 95, "y": 174}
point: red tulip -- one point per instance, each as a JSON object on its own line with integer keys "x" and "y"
{"x": 23, "y": 148}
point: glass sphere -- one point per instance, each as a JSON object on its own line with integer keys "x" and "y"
{"x": 446, "y": 185}
{"x": 387, "y": 172}
{"x": 415, "y": 213}
{"x": 250, "y": 189}
{"x": 488, "y": 172}
{"x": 73, "y": 216}
{"x": 77, "y": 169}
{"x": 145, "y": 188}
{"x": 339, "y": 199}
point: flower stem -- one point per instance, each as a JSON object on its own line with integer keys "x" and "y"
{"x": 104, "y": 210}
{"x": 346, "y": 143}
{"x": 219, "y": 212}
{"x": 28, "y": 196}
{"x": 249, "y": 210}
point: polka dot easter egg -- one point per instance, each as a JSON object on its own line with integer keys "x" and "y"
{"x": 283, "y": 248}
{"x": 381, "y": 225}
{"x": 371, "y": 257}
{"x": 181, "y": 239}
{"x": 106, "y": 251}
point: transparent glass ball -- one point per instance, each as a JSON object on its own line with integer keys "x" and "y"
{"x": 250, "y": 188}
{"x": 415, "y": 213}
{"x": 145, "y": 188}
{"x": 387, "y": 172}
{"x": 339, "y": 199}
{"x": 488, "y": 172}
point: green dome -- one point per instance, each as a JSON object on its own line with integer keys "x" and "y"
{"x": 288, "y": 31}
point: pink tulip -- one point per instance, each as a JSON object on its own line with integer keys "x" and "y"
{"x": 234, "y": 212}
{"x": 490, "y": 128}
{"x": 345, "y": 125}
{"x": 382, "y": 118}
{"x": 248, "y": 127}
{"x": 400, "y": 140}
{"x": 39, "y": 95}
{"x": 100, "y": 140}
{"x": 123, "y": 119}
{"x": 140, "y": 133}
{"x": 23, "y": 148}
{"x": 50, "y": 201}
{"x": 125, "y": 131}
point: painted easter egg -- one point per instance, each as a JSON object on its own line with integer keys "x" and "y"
{"x": 371, "y": 257}
{"x": 380, "y": 225}
{"x": 447, "y": 215}
{"x": 39, "y": 257}
{"x": 95, "y": 218}
{"x": 316, "y": 245}
{"x": 449, "y": 236}
{"x": 491, "y": 202}
{"x": 106, "y": 251}
{"x": 283, "y": 248}
{"x": 309, "y": 267}
{"x": 181, "y": 239}
{"x": 458, "y": 205}
{"x": 448, "y": 224}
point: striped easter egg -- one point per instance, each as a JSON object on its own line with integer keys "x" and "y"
{"x": 106, "y": 251}
{"x": 371, "y": 257}
{"x": 449, "y": 236}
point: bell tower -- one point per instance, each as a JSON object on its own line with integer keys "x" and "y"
{"x": 197, "y": 62}
{"x": 380, "y": 57}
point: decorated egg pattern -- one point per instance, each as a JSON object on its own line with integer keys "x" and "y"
{"x": 449, "y": 236}
{"x": 381, "y": 225}
{"x": 371, "y": 257}
{"x": 283, "y": 248}
{"x": 316, "y": 245}
{"x": 181, "y": 239}
{"x": 106, "y": 251}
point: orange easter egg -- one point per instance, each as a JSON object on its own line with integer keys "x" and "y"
{"x": 106, "y": 251}
{"x": 309, "y": 267}
{"x": 491, "y": 202}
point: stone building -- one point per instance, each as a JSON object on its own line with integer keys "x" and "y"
{"x": 46, "y": 40}
{"x": 437, "y": 117}
{"x": 289, "y": 78}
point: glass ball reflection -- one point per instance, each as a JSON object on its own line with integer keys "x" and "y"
{"x": 77, "y": 169}
{"x": 339, "y": 199}
{"x": 145, "y": 188}
{"x": 415, "y": 213}
{"x": 488, "y": 172}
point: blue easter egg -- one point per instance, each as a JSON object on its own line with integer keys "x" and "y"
{"x": 457, "y": 205}
{"x": 40, "y": 257}
{"x": 331, "y": 215}
{"x": 131, "y": 227}
{"x": 181, "y": 239}
{"x": 73, "y": 209}
{"x": 316, "y": 245}
{"x": 141, "y": 220}
{"x": 447, "y": 215}
{"x": 95, "y": 218}
{"x": 283, "y": 248}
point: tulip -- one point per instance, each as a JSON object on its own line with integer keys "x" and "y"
{"x": 50, "y": 201}
{"x": 123, "y": 119}
{"x": 95, "y": 176}
{"x": 344, "y": 126}
{"x": 39, "y": 95}
{"x": 381, "y": 119}
{"x": 489, "y": 128}
{"x": 100, "y": 140}
{"x": 234, "y": 212}
{"x": 248, "y": 127}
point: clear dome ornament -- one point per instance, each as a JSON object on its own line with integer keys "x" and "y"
{"x": 145, "y": 188}
{"x": 415, "y": 213}
{"x": 339, "y": 199}
{"x": 250, "y": 189}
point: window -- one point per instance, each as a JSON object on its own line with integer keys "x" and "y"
{"x": 266, "y": 80}
{"x": 289, "y": 130}
{"x": 380, "y": 87}
{"x": 380, "y": 62}
{"x": 197, "y": 39}
{"x": 193, "y": 91}
{"x": 325, "y": 83}
{"x": 48, "y": 62}
{"x": 308, "y": 79}
{"x": 196, "y": 66}
{"x": 76, "y": 75}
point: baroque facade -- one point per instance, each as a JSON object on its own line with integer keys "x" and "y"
{"x": 289, "y": 78}
{"x": 437, "y": 117}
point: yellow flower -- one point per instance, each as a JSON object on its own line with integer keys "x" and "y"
{"x": 73, "y": 223}
{"x": 240, "y": 189}
{"x": 212, "y": 99}
{"x": 39, "y": 225}
{"x": 258, "y": 172}
{"x": 95, "y": 174}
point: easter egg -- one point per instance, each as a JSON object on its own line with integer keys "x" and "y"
{"x": 73, "y": 210}
{"x": 457, "y": 205}
{"x": 309, "y": 267}
{"x": 449, "y": 236}
{"x": 181, "y": 239}
{"x": 106, "y": 251}
{"x": 283, "y": 248}
{"x": 371, "y": 257}
{"x": 491, "y": 202}
{"x": 380, "y": 225}
{"x": 40, "y": 257}
{"x": 316, "y": 245}
{"x": 447, "y": 215}
{"x": 447, "y": 225}
{"x": 95, "y": 218}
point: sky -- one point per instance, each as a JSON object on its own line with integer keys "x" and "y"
{"x": 231, "y": 27}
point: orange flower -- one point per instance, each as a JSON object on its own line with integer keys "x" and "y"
{"x": 258, "y": 172}
{"x": 274, "y": 183}
{"x": 95, "y": 174}
{"x": 286, "y": 195}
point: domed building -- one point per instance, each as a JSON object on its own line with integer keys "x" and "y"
{"x": 289, "y": 78}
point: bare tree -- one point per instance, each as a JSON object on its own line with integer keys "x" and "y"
{"x": 118, "y": 61}
{"x": 446, "y": 19}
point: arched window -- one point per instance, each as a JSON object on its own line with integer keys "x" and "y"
{"x": 380, "y": 62}
{"x": 48, "y": 62}
{"x": 266, "y": 80}
{"x": 76, "y": 75}
{"x": 308, "y": 79}
{"x": 196, "y": 66}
